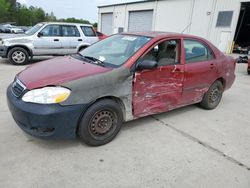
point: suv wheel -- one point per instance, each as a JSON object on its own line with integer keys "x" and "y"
{"x": 100, "y": 123}
{"x": 18, "y": 56}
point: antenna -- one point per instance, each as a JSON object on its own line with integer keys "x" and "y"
{"x": 186, "y": 27}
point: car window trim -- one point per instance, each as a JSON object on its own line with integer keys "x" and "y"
{"x": 156, "y": 43}
{"x": 204, "y": 44}
{"x": 79, "y": 35}
{"x": 60, "y": 30}
{"x": 92, "y": 30}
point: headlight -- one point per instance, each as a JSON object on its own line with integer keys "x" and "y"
{"x": 47, "y": 95}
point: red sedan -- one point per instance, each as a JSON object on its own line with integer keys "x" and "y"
{"x": 101, "y": 36}
{"x": 118, "y": 79}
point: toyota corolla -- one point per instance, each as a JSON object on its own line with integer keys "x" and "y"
{"x": 121, "y": 78}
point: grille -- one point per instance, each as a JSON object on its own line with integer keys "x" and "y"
{"x": 18, "y": 88}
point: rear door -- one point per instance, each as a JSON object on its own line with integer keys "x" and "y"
{"x": 160, "y": 89}
{"x": 200, "y": 70}
{"x": 49, "y": 42}
{"x": 71, "y": 39}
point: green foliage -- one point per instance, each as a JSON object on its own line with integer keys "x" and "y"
{"x": 12, "y": 11}
{"x": 74, "y": 20}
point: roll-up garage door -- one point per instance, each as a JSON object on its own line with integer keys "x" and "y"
{"x": 107, "y": 23}
{"x": 140, "y": 20}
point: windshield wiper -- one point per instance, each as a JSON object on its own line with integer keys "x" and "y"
{"x": 95, "y": 60}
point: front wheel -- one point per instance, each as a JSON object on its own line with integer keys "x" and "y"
{"x": 213, "y": 96}
{"x": 18, "y": 56}
{"x": 101, "y": 123}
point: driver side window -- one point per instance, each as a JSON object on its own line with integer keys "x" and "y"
{"x": 165, "y": 53}
{"x": 51, "y": 31}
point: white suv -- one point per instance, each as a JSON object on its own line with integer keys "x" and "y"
{"x": 55, "y": 38}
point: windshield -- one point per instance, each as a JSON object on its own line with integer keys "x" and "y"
{"x": 115, "y": 50}
{"x": 34, "y": 29}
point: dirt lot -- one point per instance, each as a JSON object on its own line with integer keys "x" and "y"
{"x": 188, "y": 147}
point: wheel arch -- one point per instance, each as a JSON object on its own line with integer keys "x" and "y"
{"x": 21, "y": 46}
{"x": 223, "y": 81}
{"x": 118, "y": 101}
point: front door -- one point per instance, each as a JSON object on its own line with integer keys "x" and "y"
{"x": 160, "y": 89}
{"x": 200, "y": 71}
{"x": 49, "y": 42}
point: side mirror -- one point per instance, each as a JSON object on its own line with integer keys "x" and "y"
{"x": 146, "y": 65}
{"x": 40, "y": 34}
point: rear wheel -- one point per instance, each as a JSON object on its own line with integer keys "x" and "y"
{"x": 212, "y": 98}
{"x": 101, "y": 123}
{"x": 18, "y": 56}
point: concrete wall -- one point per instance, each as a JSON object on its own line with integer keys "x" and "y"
{"x": 199, "y": 17}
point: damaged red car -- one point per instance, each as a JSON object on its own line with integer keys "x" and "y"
{"x": 121, "y": 78}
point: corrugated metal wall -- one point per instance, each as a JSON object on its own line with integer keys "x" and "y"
{"x": 199, "y": 17}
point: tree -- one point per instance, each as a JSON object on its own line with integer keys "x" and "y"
{"x": 13, "y": 11}
{"x": 4, "y": 10}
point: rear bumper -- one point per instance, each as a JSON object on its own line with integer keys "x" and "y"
{"x": 45, "y": 121}
{"x": 3, "y": 51}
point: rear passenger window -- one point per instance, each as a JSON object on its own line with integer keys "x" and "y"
{"x": 70, "y": 31}
{"x": 88, "y": 31}
{"x": 197, "y": 52}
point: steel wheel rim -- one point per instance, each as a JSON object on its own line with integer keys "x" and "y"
{"x": 215, "y": 95}
{"x": 18, "y": 56}
{"x": 103, "y": 124}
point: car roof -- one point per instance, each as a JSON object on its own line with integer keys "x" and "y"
{"x": 66, "y": 23}
{"x": 160, "y": 34}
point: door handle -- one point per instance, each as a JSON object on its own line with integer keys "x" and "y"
{"x": 176, "y": 69}
{"x": 212, "y": 66}
{"x": 79, "y": 39}
{"x": 56, "y": 40}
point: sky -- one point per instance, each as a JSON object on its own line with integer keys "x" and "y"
{"x": 85, "y": 9}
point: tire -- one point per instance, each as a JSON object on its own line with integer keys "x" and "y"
{"x": 213, "y": 96}
{"x": 248, "y": 72}
{"x": 18, "y": 56}
{"x": 100, "y": 123}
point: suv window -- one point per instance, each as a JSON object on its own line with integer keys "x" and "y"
{"x": 197, "y": 52}
{"x": 88, "y": 31}
{"x": 51, "y": 31}
{"x": 70, "y": 31}
{"x": 165, "y": 53}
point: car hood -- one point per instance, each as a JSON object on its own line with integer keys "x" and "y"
{"x": 58, "y": 71}
{"x": 13, "y": 36}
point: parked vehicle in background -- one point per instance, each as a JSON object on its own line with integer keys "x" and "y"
{"x": 4, "y": 29}
{"x": 25, "y": 28}
{"x": 100, "y": 35}
{"x": 118, "y": 79}
{"x": 55, "y": 38}
{"x": 8, "y": 28}
{"x": 15, "y": 29}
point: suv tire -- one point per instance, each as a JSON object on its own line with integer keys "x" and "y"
{"x": 18, "y": 56}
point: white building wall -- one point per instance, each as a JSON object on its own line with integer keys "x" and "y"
{"x": 199, "y": 17}
{"x": 172, "y": 15}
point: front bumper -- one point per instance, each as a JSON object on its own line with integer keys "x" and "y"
{"x": 45, "y": 120}
{"x": 3, "y": 51}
